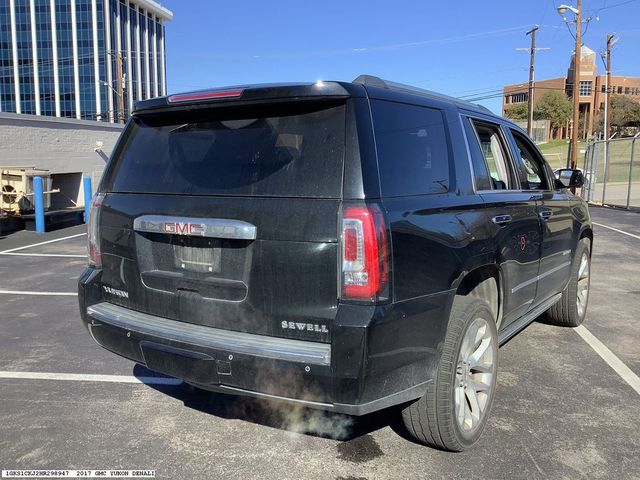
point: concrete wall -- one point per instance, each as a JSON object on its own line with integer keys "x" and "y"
{"x": 61, "y": 145}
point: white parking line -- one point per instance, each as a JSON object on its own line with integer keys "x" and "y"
{"x": 62, "y": 255}
{"x": 617, "y": 230}
{"x": 608, "y": 356}
{"x": 43, "y": 243}
{"x": 76, "y": 377}
{"x": 23, "y": 292}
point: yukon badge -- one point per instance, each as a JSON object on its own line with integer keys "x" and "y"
{"x": 116, "y": 292}
{"x": 309, "y": 327}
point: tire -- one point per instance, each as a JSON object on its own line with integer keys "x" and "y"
{"x": 572, "y": 306}
{"x": 433, "y": 420}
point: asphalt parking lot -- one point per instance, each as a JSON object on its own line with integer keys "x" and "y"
{"x": 568, "y": 400}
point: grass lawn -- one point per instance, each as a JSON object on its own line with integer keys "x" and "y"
{"x": 619, "y": 155}
{"x": 556, "y": 152}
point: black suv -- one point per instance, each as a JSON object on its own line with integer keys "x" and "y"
{"x": 343, "y": 246}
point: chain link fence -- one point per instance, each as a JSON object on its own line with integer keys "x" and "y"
{"x": 612, "y": 172}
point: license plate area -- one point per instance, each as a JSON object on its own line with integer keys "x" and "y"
{"x": 201, "y": 255}
{"x": 194, "y": 269}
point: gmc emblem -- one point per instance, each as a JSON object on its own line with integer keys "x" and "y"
{"x": 184, "y": 228}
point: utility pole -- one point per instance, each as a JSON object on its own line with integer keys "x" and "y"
{"x": 532, "y": 50}
{"x": 607, "y": 110}
{"x": 120, "y": 78}
{"x": 120, "y": 88}
{"x": 575, "y": 133}
{"x": 607, "y": 97}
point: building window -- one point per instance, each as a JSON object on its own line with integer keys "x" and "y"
{"x": 519, "y": 97}
{"x": 626, "y": 90}
{"x": 604, "y": 89}
{"x": 619, "y": 90}
{"x": 585, "y": 88}
{"x": 506, "y": 99}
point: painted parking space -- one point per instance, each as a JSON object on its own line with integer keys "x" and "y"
{"x": 25, "y": 240}
{"x": 561, "y": 410}
{"x": 615, "y": 291}
{"x": 40, "y": 274}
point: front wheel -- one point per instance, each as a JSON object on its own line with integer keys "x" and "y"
{"x": 453, "y": 412}
{"x": 572, "y": 306}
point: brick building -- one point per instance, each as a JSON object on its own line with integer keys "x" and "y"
{"x": 591, "y": 89}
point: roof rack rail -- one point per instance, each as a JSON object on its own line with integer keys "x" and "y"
{"x": 482, "y": 107}
{"x": 373, "y": 81}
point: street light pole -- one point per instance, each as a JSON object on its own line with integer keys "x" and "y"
{"x": 576, "y": 88}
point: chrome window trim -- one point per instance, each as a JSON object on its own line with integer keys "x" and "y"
{"x": 482, "y": 192}
{"x": 276, "y": 348}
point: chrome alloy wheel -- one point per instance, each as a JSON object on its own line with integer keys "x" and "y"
{"x": 475, "y": 374}
{"x": 583, "y": 284}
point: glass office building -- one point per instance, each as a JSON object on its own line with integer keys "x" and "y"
{"x": 63, "y": 57}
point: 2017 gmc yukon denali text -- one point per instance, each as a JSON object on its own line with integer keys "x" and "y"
{"x": 344, "y": 246}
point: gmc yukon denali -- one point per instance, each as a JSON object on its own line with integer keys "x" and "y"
{"x": 343, "y": 246}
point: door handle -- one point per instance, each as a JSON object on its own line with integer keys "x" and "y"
{"x": 501, "y": 219}
{"x": 545, "y": 214}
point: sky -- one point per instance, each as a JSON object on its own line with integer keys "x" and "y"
{"x": 464, "y": 49}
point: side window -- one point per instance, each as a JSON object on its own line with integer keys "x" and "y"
{"x": 533, "y": 164}
{"x": 413, "y": 152}
{"x": 494, "y": 154}
{"x": 480, "y": 170}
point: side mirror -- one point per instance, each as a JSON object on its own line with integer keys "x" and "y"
{"x": 569, "y": 178}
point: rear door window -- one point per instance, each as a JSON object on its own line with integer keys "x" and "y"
{"x": 492, "y": 149}
{"x": 480, "y": 169}
{"x": 412, "y": 146}
{"x": 283, "y": 152}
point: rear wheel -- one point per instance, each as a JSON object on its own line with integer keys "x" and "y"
{"x": 572, "y": 307}
{"x": 453, "y": 412}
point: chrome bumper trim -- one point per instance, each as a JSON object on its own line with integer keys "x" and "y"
{"x": 312, "y": 353}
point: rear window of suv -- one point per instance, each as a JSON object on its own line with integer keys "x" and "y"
{"x": 285, "y": 151}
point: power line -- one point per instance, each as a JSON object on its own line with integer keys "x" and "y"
{"x": 374, "y": 49}
{"x": 607, "y": 7}
{"x": 50, "y": 62}
{"x": 498, "y": 95}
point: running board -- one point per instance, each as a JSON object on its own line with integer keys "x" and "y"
{"x": 510, "y": 330}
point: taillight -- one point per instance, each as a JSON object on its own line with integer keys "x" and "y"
{"x": 93, "y": 231}
{"x": 365, "y": 256}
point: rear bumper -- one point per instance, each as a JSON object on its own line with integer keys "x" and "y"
{"x": 365, "y": 368}
{"x": 310, "y": 353}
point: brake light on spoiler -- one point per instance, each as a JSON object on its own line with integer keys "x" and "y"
{"x": 208, "y": 95}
